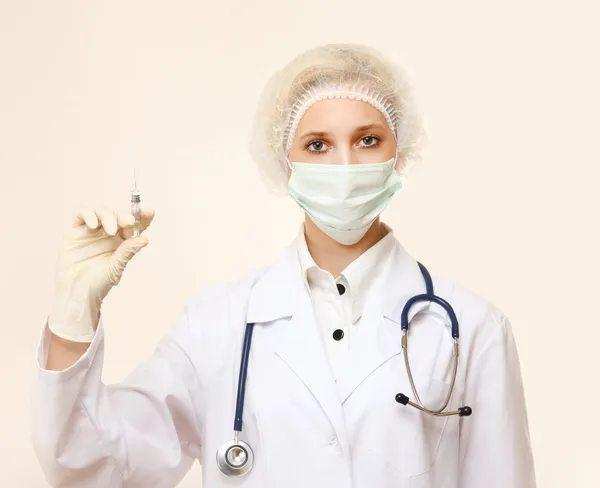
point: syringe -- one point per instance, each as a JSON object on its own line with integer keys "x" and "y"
{"x": 136, "y": 210}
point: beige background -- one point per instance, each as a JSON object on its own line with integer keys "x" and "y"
{"x": 506, "y": 201}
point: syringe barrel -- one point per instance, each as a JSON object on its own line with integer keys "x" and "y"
{"x": 136, "y": 211}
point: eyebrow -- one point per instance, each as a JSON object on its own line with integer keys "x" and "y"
{"x": 361, "y": 128}
{"x": 313, "y": 134}
{"x": 374, "y": 125}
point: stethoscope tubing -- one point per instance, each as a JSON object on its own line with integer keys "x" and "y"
{"x": 241, "y": 389}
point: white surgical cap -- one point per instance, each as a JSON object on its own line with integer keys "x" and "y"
{"x": 332, "y": 71}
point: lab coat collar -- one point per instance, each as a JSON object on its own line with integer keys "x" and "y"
{"x": 401, "y": 280}
{"x": 278, "y": 292}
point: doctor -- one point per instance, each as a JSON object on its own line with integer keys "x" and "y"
{"x": 335, "y": 386}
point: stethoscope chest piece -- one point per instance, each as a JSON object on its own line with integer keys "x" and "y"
{"x": 235, "y": 458}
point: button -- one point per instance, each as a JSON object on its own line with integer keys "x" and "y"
{"x": 338, "y": 334}
{"x": 341, "y": 289}
{"x": 334, "y": 443}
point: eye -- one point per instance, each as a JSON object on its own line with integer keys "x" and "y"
{"x": 316, "y": 146}
{"x": 369, "y": 141}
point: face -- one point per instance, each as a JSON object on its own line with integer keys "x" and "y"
{"x": 342, "y": 131}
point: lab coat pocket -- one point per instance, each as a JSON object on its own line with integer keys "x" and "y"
{"x": 420, "y": 481}
{"x": 371, "y": 469}
{"x": 402, "y": 437}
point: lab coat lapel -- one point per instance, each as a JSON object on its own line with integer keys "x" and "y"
{"x": 282, "y": 293}
{"x": 298, "y": 343}
{"x": 377, "y": 336}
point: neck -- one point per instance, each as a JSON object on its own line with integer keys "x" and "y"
{"x": 332, "y": 256}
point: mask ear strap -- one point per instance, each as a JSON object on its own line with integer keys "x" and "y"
{"x": 287, "y": 160}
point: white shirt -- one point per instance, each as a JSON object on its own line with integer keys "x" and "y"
{"x": 338, "y": 302}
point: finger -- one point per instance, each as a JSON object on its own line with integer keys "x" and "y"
{"x": 126, "y": 221}
{"x": 147, "y": 217}
{"x": 123, "y": 254}
{"x": 108, "y": 219}
{"x": 86, "y": 217}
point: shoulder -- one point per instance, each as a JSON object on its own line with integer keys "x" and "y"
{"x": 480, "y": 319}
{"x": 213, "y": 319}
{"x": 219, "y": 299}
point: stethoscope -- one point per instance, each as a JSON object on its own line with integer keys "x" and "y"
{"x": 235, "y": 457}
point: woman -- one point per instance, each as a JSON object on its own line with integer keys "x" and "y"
{"x": 336, "y": 128}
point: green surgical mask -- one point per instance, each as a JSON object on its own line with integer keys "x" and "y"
{"x": 344, "y": 200}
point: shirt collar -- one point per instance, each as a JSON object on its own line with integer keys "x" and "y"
{"x": 357, "y": 277}
{"x": 279, "y": 291}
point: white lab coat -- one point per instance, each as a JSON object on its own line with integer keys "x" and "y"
{"x": 306, "y": 430}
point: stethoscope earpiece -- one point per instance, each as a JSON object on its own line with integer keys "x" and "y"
{"x": 402, "y": 398}
{"x": 465, "y": 411}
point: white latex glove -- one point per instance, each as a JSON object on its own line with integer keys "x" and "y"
{"x": 92, "y": 260}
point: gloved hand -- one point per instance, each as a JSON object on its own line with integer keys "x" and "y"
{"x": 92, "y": 260}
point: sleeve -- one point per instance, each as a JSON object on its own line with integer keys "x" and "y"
{"x": 142, "y": 432}
{"x": 495, "y": 448}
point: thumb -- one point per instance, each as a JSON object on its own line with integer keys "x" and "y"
{"x": 122, "y": 255}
